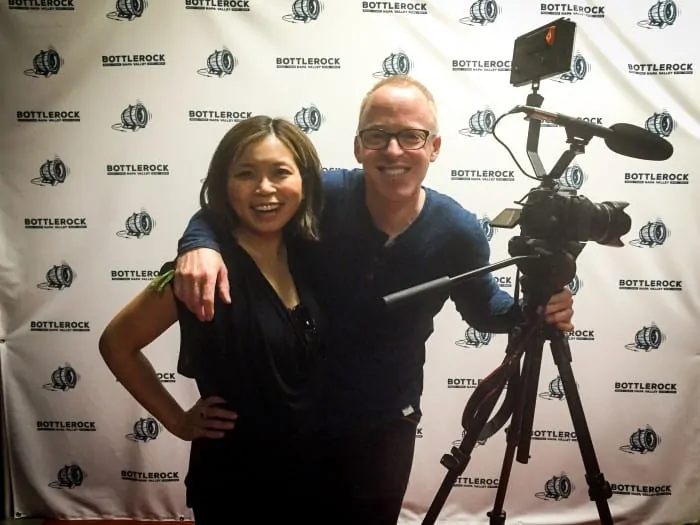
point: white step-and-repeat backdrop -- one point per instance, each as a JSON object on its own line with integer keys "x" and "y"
{"x": 110, "y": 113}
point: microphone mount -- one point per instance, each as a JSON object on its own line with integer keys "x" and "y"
{"x": 577, "y": 136}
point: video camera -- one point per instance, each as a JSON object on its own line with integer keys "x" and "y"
{"x": 563, "y": 216}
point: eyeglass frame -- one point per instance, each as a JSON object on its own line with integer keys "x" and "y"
{"x": 391, "y": 135}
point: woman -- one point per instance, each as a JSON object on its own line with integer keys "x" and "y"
{"x": 256, "y": 362}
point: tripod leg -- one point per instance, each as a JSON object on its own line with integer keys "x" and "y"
{"x": 458, "y": 460}
{"x": 531, "y": 368}
{"x": 521, "y": 423}
{"x": 599, "y": 489}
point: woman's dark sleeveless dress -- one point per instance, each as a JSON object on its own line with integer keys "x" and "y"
{"x": 264, "y": 360}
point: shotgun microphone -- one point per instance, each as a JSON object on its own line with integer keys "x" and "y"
{"x": 624, "y": 139}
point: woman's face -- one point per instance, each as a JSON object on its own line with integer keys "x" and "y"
{"x": 265, "y": 187}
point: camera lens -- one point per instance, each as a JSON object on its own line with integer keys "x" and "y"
{"x": 609, "y": 222}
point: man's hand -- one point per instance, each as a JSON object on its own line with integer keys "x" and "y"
{"x": 559, "y": 310}
{"x": 197, "y": 273}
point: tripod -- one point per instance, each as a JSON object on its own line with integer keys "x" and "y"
{"x": 545, "y": 269}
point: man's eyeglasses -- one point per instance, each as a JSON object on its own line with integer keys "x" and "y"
{"x": 377, "y": 138}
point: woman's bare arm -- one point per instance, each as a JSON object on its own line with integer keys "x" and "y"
{"x": 136, "y": 326}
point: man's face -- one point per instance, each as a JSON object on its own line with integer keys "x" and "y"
{"x": 393, "y": 172}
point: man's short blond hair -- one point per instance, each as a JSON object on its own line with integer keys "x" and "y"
{"x": 402, "y": 81}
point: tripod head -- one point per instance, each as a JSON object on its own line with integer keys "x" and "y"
{"x": 552, "y": 269}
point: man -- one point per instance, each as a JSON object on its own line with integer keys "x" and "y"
{"x": 381, "y": 232}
